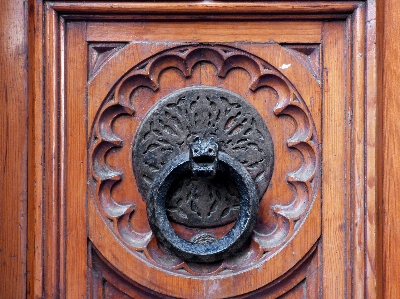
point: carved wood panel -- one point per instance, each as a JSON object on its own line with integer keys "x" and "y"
{"x": 159, "y": 126}
{"x": 123, "y": 165}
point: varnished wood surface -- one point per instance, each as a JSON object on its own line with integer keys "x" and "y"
{"x": 388, "y": 161}
{"x": 372, "y": 130}
{"x": 51, "y": 188}
{"x": 201, "y": 31}
{"x": 34, "y": 270}
{"x": 209, "y": 7}
{"x": 335, "y": 169}
{"x": 237, "y": 80}
{"x": 343, "y": 83}
{"x": 13, "y": 148}
{"x": 74, "y": 133}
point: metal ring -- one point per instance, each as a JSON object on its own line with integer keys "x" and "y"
{"x": 220, "y": 248}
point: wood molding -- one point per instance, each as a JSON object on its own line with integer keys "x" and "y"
{"x": 288, "y": 10}
{"x": 225, "y": 8}
{"x": 34, "y": 279}
{"x": 13, "y": 148}
{"x": 388, "y": 163}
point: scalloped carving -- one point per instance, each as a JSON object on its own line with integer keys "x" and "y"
{"x": 304, "y": 180}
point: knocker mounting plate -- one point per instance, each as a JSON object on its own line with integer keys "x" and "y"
{"x": 183, "y": 119}
{"x": 203, "y": 156}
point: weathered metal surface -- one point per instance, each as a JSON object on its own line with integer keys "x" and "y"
{"x": 186, "y": 118}
{"x": 205, "y": 250}
{"x": 203, "y": 157}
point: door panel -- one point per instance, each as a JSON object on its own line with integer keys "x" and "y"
{"x": 277, "y": 98}
{"x": 282, "y": 223}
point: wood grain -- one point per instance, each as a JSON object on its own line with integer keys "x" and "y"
{"x": 13, "y": 148}
{"x": 348, "y": 130}
{"x": 388, "y": 161}
{"x": 371, "y": 111}
{"x": 303, "y": 276}
{"x": 203, "y": 31}
{"x": 238, "y": 81}
{"x": 232, "y": 8}
{"x": 74, "y": 133}
{"x": 358, "y": 210}
{"x": 21, "y": 135}
{"x": 35, "y": 145}
{"x": 51, "y": 204}
{"x": 335, "y": 162}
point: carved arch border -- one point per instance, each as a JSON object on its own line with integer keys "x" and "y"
{"x": 225, "y": 58}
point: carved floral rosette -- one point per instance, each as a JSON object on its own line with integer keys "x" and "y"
{"x": 120, "y": 216}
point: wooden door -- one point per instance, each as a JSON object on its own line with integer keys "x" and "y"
{"x": 131, "y": 90}
{"x": 263, "y": 121}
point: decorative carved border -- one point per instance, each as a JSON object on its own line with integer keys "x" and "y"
{"x": 305, "y": 179}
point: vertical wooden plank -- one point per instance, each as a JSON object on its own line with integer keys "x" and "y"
{"x": 35, "y": 150}
{"x": 334, "y": 156}
{"x": 388, "y": 161}
{"x": 358, "y": 167}
{"x": 370, "y": 144}
{"x": 349, "y": 149}
{"x": 74, "y": 160}
{"x": 62, "y": 218}
{"x": 13, "y": 148}
{"x": 51, "y": 205}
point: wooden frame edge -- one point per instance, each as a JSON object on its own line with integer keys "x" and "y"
{"x": 194, "y": 7}
{"x": 371, "y": 144}
{"x": 387, "y": 159}
{"x": 14, "y": 131}
{"x": 35, "y": 151}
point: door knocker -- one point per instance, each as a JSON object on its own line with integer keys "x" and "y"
{"x": 203, "y": 157}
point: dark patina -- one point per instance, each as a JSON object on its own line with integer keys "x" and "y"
{"x": 203, "y": 157}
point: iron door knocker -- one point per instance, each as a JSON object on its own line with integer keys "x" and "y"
{"x": 203, "y": 134}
